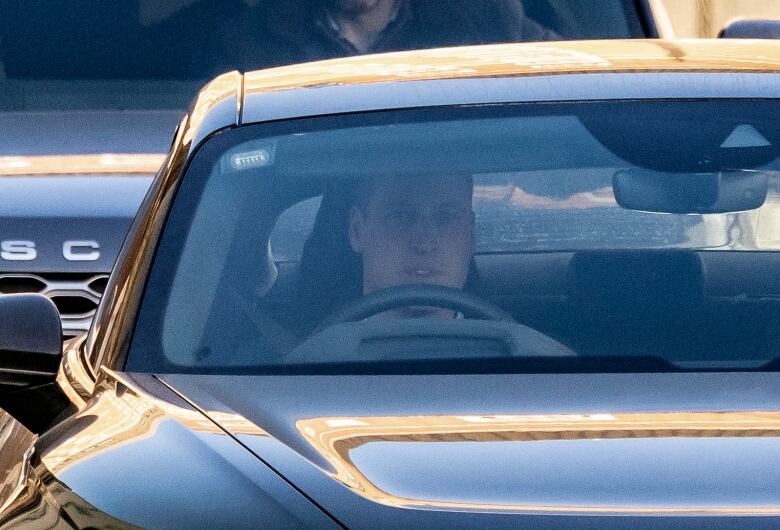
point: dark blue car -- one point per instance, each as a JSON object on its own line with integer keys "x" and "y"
{"x": 509, "y": 286}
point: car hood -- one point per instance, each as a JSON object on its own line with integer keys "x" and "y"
{"x": 136, "y": 453}
{"x": 83, "y": 132}
{"x": 90, "y": 215}
{"x": 468, "y": 449}
{"x": 67, "y": 200}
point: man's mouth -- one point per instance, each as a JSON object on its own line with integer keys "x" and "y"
{"x": 421, "y": 273}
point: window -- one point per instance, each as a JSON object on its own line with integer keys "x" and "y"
{"x": 629, "y": 230}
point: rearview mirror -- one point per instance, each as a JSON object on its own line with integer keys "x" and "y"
{"x": 689, "y": 193}
{"x": 30, "y": 341}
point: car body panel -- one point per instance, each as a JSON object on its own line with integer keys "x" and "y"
{"x": 406, "y": 448}
{"x": 538, "y": 58}
{"x": 634, "y": 450}
{"x": 17, "y": 443}
{"x": 66, "y": 192}
{"x": 54, "y": 210}
{"x": 471, "y": 75}
{"x": 300, "y": 103}
{"x": 136, "y": 429}
{"x": 65, "y": 180}
{"x": 25, "y": 134}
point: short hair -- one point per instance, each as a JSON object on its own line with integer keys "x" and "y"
{"x": 363, "y": 188}
{"x": 362, "y": 192}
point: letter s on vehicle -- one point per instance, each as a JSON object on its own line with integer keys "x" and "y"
{"x": 18, "y": 250}
{"x": 75, "y": 250}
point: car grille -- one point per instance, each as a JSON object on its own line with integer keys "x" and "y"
{"x": 75, "y": 295}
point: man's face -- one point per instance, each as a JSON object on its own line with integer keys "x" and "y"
{"x": 414, "y": 231}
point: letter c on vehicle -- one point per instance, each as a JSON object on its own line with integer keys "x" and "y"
{"x": 74, "y": 250}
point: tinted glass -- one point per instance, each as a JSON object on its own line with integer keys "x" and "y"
{"x": 76, "y": 54}
{"x": 515, "y": 205}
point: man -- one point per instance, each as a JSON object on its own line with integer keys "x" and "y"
{"x": 413, "y": 230}
{"x": 276, "y": 32}
{"x": 360, "y": 23}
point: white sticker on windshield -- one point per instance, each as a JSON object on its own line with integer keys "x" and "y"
{"x": 249, "y": 155}
{"x": 745, "y": 136}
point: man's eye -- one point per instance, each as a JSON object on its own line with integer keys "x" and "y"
{"x": 402, "y": 216}
{"x": 444, "y": 218}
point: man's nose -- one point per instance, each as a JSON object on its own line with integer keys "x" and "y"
{"x": 425, "y": 235}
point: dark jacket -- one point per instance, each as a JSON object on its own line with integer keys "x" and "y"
{"x": 284, "y": 32}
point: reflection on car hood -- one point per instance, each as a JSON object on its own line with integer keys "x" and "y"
{"x": 140, "y": 454}
{"x": 503, "y": 445}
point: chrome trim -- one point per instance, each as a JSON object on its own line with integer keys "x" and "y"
{"x": 72, "y": 323}
{"x": 74, "y": 376}
{"x": 14, "y": 439}
{"x": 240, "y": 99}
{"x": 336, "y": 437}
{"x": 99, "y": 164}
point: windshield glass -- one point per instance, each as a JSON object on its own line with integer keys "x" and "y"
{"x": 632, "y": 233}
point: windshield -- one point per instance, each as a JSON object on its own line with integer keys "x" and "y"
{"x": 529, "y": 236}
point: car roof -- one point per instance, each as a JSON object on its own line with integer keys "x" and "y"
{"x": 538, "y": 58}
{"x": 475, "y": 75}
{"x": 487, "y": 74}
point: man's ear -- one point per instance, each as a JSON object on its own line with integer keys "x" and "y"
{"x": 355, "y": 230}
{"x": 473, "y": 228}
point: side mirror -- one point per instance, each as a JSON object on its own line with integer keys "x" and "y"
{"x": 30, "y": 341}
{"x": 689, "y": 193}
{"x": 751, "y": 29}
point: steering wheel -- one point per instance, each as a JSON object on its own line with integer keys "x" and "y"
{"x": 418, "y": 295}
{"x": 488, "y": 331}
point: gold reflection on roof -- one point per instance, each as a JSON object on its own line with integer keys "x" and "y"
{"x": 221, "y": 88}
{"x": 98, "y": 164}
{"x": 335, "y": 437}
{"x": 525, "y": 59}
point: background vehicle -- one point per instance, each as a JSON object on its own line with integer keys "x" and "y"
{"x": 200, "y": 368}
{"x": 89, "y": 93}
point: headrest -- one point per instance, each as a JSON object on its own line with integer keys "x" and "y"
{"x": 633, "y": 281}
{"x": 751, "y": 29}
